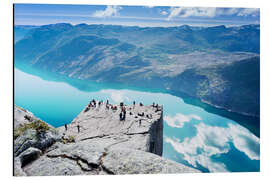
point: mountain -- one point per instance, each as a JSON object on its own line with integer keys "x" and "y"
{"x": 214, "y": 64}
{"x": 21, "y": 30}
{"x": 235, "y": 86}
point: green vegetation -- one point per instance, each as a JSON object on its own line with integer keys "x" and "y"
{"x": 69, "y": 139}
{"x": 37, "y": 125}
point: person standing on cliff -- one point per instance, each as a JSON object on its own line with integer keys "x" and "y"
{"x": 124, "y": 111}
{"x": 120, "y": 116}
{"x": 66, "y": 127}
{"x": 78, "y": 126}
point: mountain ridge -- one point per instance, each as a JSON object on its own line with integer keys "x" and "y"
{"x": 150, "y": 57}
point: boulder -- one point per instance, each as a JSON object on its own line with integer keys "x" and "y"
{"x": 29, "y": 155}
{"x": 30, "y": 138}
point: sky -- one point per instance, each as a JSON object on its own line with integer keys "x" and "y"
{"x": 152, "y": 16}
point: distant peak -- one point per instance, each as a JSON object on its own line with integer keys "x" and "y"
{"x": 58, "y": 25}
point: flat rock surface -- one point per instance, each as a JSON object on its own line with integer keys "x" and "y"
{"x": 128, "y": 161}
{"x": 104, "y": 126}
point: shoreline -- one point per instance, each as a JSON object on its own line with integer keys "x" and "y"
{"x": 196, "y": 101}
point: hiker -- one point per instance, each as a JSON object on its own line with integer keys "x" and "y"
{"x": 133, "y": 104}
{"x": 66, "y": 127}
{"x": 86, "y": 109}
{"x": 121, "y": 104}
{"x": 94, "y": 102}
{"x": 120, "y": 116}
{"x": 107, "y": 106}
{"x": 140, "y": 122}
{"x": 124, "y": 117}
{"x": 78, "y": 126}
{"x": 99, "y": 103}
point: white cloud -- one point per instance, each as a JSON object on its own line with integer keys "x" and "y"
{"x": 212, "y": 140}
{"x": 179, "y": 120}
{"x": 191, "y": 11}
{"x": 210, "y": 12}
{"x": 149, "y": 6}
{"x": 164, "y": 13}
{"x": 249, "y": 12}
{"x": 109, "y": 11}
{"x": 117, "y": 97}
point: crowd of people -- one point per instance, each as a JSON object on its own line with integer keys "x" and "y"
{"x": 122, "y": 115}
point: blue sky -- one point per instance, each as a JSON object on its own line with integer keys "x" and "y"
{"x": 40, "y": 14}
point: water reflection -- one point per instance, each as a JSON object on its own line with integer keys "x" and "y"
{"x": 192, "y": 136}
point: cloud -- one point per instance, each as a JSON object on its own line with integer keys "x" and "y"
{"x": 117, "y": 96}
{"x": 109, "y": 11}
{"x": 148, "y": 6}
{"x": 210, "y": 12}
{"x": 164, "y": 13}
{"x": 179, "y": 120}
{"x": 191, "y": 11}
{"x": 213, "y": 140}
{"x": 249, "y": 12}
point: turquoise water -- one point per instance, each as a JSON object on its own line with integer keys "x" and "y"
{"x": 193, "y": 136}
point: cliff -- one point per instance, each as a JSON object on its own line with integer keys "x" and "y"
{"x": 103, "y": 145}
{"x": 101, "y": 125}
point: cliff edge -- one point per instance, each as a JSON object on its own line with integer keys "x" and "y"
{"x": 96, "y": 142}
{"x": 141, "y": 129}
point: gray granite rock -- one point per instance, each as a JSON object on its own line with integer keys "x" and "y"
{"x": 104, "y": 145}
{"x": 30, "y": 138}
{"x": 29, "y": 155}
{"x": 68, "y": 159}
{"x": 128, "y": 161}
{"x": 104, "y": 125}
{"x": 45, "y": 166}
{"x": 18, "y": 167}
{"x": 88, "y": 158}
{"x": 88, "y": 152}
{"x": 21, "y": 116}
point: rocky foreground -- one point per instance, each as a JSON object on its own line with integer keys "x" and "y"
{"x": 96, "y": 142}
